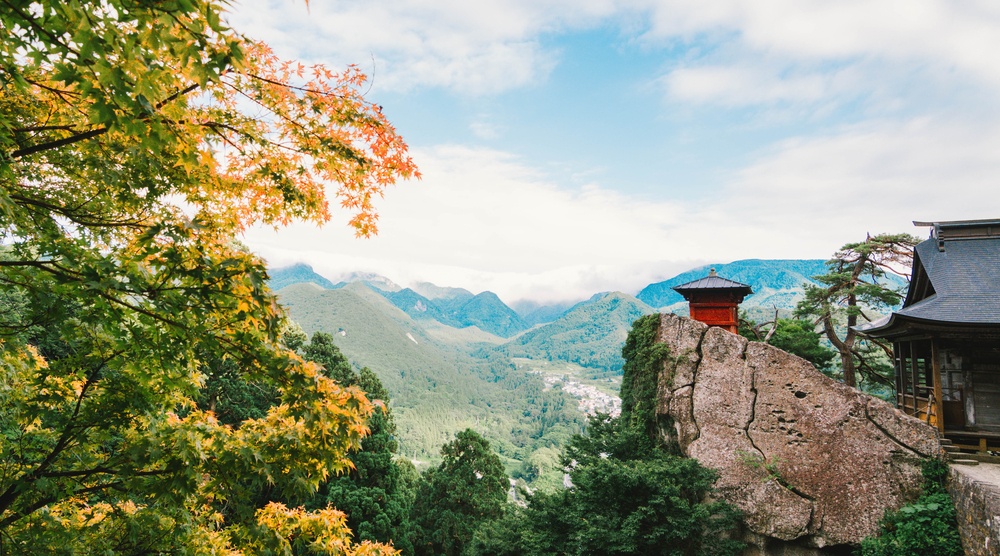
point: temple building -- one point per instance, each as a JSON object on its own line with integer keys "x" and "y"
{"x": 715, "y": 300}
{"x": 946, "y": 336}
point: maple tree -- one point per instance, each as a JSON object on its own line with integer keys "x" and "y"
{"x": 137, "y": 140}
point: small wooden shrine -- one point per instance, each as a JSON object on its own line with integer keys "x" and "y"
{"x": 946, "y": 336}
{"x": 715, "y": 300}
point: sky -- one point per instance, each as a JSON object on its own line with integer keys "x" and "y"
{"x": 569, "y": 147}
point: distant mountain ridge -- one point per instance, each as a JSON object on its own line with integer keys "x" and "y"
{"x": 777, "y": 282}
{"x": 455, "y": 307}
{"x": 298, "y": 274}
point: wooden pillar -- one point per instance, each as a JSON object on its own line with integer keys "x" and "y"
{"x": 913, "y": 379}
{"x": 936, "y": 371}
{"x": 897, "y": 364}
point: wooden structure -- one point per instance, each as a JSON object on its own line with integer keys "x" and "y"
{"x": 946, "y": 336}
{"x": 715, "y": 300}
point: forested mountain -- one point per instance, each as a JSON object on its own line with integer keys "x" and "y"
{"x": 774, "y": 282}
{"x": 533, "y": 312}
{"x": 420, "y": 307}
{"x": 447, "y": 356}
{"x": 437, "y": 386}
{"x": 591, "y": 334}
{"x": 488, "y": 313}
{"x": 571, "y": 333}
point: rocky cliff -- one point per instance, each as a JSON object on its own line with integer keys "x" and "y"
{"x": 811, "y": 462}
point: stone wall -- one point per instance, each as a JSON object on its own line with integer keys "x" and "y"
{"x": 976, "y": 494}
{"x": 813, "y": 464}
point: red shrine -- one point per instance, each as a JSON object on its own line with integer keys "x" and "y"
{"x": 715, "y": 300}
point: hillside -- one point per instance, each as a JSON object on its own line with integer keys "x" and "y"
{"x": 419, "y": 307}
{"x": 591, "y": 334}
{"x": 436, "y": 386}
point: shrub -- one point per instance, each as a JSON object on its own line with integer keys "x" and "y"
{"x": 926, "y": 527}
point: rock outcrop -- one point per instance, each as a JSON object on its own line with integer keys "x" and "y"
{"x": 811, "y": 462}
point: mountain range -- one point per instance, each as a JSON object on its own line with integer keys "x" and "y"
{"x": 776, "y": 284}
{"x": 453, "y": 359}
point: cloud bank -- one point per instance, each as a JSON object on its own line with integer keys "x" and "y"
{"x": 870, "y": 114}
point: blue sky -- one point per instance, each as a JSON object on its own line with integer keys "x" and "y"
{"x": 570, "y": 147}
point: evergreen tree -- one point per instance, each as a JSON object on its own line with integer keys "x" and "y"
{"x": 856, "y": 283}
{"x": 795, "y": 336}
{"x": 630, "y": 494}
{"x": 468, "y": 489}
{"x": 323, "y": 351}
{"x": 373, "y": 494}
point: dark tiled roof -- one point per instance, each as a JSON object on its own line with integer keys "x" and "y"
{"x": 712, "y": 283}
{"x": 966, "y": 279}
{"x": 965, "y": 276}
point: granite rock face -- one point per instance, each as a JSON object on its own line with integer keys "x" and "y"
{"x": 808, "y": 460}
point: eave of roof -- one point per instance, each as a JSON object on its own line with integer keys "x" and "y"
{"x": 965, "y": 276}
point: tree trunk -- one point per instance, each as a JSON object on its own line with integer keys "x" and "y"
{"x": 847, "y": 363}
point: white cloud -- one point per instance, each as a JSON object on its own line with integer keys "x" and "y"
{"x": 741, "y": 86}
{"x": 873, "y": 178}
{"x": 893, "y": 53}
{"x": 484, "y": 128}
{"x": 471, "y": 47}
{"x": 482, "y": 219}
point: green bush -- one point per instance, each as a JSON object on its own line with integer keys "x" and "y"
{"x": 926, "y": 527}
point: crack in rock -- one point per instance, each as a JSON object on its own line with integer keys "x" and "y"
{"x": 837, "y": 449}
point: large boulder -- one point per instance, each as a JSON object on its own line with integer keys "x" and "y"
{"x": 810, "y": 462}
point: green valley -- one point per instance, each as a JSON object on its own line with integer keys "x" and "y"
{"x": 441, "y": 379}
{"x": 452, "y": 359}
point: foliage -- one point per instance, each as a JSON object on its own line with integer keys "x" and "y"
{"x": 466, "y": 490}
{"x": 926, "y": 527}
{"x": 935, "y": 473}
{"x": 855, "y": 282}
{"x": 128, "y": 162}
{"x": 232, "y": 398}
{"x": 629, "y": 496}
{"x": 644, "y": 358}
{"x": 373, "y": 495}
{"x": 504, "y": 536}
{"x": 322, "y": 351}
{"x": 795, "y": 336}
{"x": 374, "y": 502}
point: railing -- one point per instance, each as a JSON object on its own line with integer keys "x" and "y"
{"x": 922, "y": 407}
